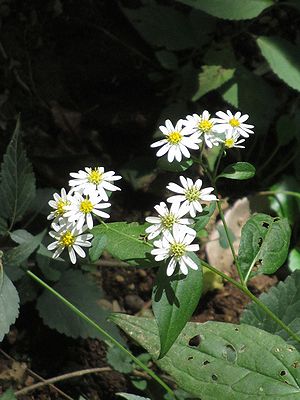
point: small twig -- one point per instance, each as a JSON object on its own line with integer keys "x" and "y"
{"x": 111, "y": 263}
{"x": 36, "y": 376}
{"x": 62, "y": 378}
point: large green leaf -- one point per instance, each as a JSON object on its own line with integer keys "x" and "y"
{"x": 283, "y": 58}
{"x": 230, "y": 9}
{"x": 17, "y": 188}
{"x": 284, "y": 301}
{"x": 212, "y": 77}
{"x": 174, "y": 300}
{"x": 239, "y": 171}
{"x": 8, "y": 395}
{"x": 81, "y": 291}
{"x": 125, "y": 241}
{"x": 223, "y": 361}
{"x": 264, "y": 245}
{"x": 9, "y": 303}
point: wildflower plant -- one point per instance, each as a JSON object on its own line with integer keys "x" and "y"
{"x": 212, "y": 360}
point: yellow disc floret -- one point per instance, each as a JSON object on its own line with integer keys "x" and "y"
{"x": 174, "y": 137}
{"x": 192, "y": 194}
{"x": 234, "y": 122}
{"x": 177, "y": 250}
{"x": 67, "y": 239}
{"x": 60, "y": 207}
{"x": 86, "y": 206}
{"x": 205, "y": 125}
{"x": 168, "y": 221}
{"x": 95, "y": 176}
{"x": 229, "y": 143}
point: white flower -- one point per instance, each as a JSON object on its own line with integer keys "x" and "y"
{"x": 232, "y": 123}
{"x": 59, "y": 204}
{"x": 190, "y": 194}
{"x": 68, "y": 236}
{"x": 177, "y": 141}
{"x": 82, "y": 208}
{"x": 231, "y": 140}
{"x": 168, "y": 219}
{"x": 94, "y": 179}
{"x": 176, "y": 245}
{"x": 204, "y": 126}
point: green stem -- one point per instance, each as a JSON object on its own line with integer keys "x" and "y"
{"x": 247, "y": 292}
{"x": 274, "y": 193}
{"x": 102, "y": 332}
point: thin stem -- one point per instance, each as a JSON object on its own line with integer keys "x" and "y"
{"x": 102, "y": 332}
{"x": 274, "y": 193}
{"x": 245, "y": 290}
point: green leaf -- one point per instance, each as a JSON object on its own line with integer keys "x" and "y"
{"x": 216, "y": 360}
{"x": 203, "y": 218}
{"x": 264, "y": 245}
{"x": 230, "y": 9}
{"x": 131, "y": 396}
{"x": 294, "y": 259}
{"x": 167, "y": 60}
{"x": 9, "y": 303}
{"x": 3, "y": 226}
{"x": 212, "y": 77}
{"x": 81, "y": 291}
{"x": 17, "y": 189}
{"x": 283, "y": 58}
{"x": 174, "y": 300}
{"x": 139, "y": 172}
{"x": 223, "y": 240}
{"x": 125, "y": 241}
{"x": 284, "y": 301}
{"x": 286, "y": 129}
{"x": 50, "y": 267}
{"x": 239, "y": 171}
{"x": 8, "y": 395}
{"x": 119, "y": 360}
{"x": 174, "y": 166}
{"x": 98, "y": 245}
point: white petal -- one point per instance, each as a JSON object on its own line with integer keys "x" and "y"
{"x": 171, "y": 266}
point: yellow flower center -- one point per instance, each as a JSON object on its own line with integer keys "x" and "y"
{"x": 95, "y": 176}
{"x": 192, "y": 194}
{"x": 67, "y": 239}
{"x": 177, "y": 250}
{"x": 60, "y": 207}
{"x": 168, "y": 221}
{"x": 86, "y": 206}
{"x": 174, "y": 137}
{"x": 229, "y": 143}
{"x": 234, "y": 122}
{"x": 205, "y": 125}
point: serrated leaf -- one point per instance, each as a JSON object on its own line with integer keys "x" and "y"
{"x": 239, "y": 171}
{"x": 212, "y": 77}
{"x": 17, "y": 188}
{"x": 174, "y": 166}
{"x": 81, "y": 291}
{"x": 119, "y": 360}
{"x": 284, "y": 301}
{"x": 8, "y": 395}
{"x": 174, "y": 300}
{"x": 264, "y": 245}
{"x": 283, "y": 58}
{"x": 230, "y": 9}
{"x": 216, "y": 360}
{"x": 131, "y": 396}
{"x": 98, "y": 245}
{"x": 125, "y": 241}
{"x": 9, "y": 303}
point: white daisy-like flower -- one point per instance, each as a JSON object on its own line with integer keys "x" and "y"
{"x": 168, "y": 219}
{"x": 177, "y": 141}
{"x": 68, "y": 236}
{"x": 190, "y": 194}
{"x": 230, "y": 122}
{"x": 94, "y": 179}
{"x": 82, "y": 209}
{"x": 232, "y": 140}
{"x": 59, "y": 204}
{"x": 203, "y": 125}
{"x": 176, "y": 245}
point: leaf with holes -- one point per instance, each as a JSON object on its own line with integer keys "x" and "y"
{"x": 216, "y": 360}
{"x": 230, "y": 9}
{"x": 239, "y": 170}
{"x": 264, "y": 245}
{"x": 284, "y": 301}
{"x": 174, "y": 300}
{"x": 9, "y": 303}
{"x": 17, "y": 188}
{"x": 125, "y": 241}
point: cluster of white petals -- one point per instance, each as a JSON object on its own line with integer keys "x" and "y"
{"x": 188, "y": 133}
{"x": 73, "y": 211}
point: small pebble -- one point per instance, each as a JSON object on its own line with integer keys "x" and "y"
{"x": 133, "y": 302}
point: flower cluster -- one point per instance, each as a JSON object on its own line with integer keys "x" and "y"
{"x": 73, "y": 211}
{"x": 187, "y": 134}
{"x": 173, "y": 228}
